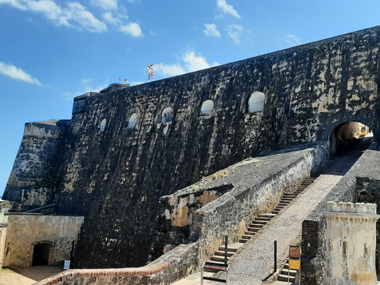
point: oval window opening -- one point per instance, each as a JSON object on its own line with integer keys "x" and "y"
{"x": 256, "y": 102}
{"x": 167, "y": 115}
{"x": 103, "y": 125}
{"x": 207, "y": 108}
{"x": 132, "y": 120}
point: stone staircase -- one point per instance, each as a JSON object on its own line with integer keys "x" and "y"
{"x": 287, "y": 274}
{"x": 256, "y": 225}
{"x": 219, "y": 258}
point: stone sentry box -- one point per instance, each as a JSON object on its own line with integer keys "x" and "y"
{"x": 351, "y": 243}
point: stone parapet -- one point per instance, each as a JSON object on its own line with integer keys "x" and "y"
{"x": 357, "y": 208}
{"x": 164, "y": 270}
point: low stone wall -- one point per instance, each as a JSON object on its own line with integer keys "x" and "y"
{"x": 27, "y": 230}
{"x": 257, "y": 192}
{"x": 170, "y": 267}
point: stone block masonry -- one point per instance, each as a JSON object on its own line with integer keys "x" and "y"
{"x": 351, "y": 243}
{"x": 114, "y": 174}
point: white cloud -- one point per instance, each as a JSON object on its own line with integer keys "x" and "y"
{"x": 110, "y": 18}
{"x": 194, "y": 62}
{"x": 78, "y": 13}
{"x": 211, "y": 31}
{"x": 105, "y": 4}
{"x": 61, "y": 16}
{"x": 292, "y": 39}
{"x": 86, "y": 80}
{"x": 115, "y": 18}
{"x": 134, "y": 83}
{"x": 227, "y": 8}
{"x": 169, "y": 70}
{"x": 17, "y": 73}
{"x": 14, "y": 3}
{"x": 87, "y": 87}
{"x": 191, "y": 60}
{"x": 132, "y": 29}
{"x": 235, "y": 31}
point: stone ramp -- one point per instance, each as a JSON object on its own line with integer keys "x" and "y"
{"x": 255, "y": 262}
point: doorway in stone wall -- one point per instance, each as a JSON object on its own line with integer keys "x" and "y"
{"x": 348, "y": 141}
{"x": 41, "y": 254}
{"x": 349, "y": 137}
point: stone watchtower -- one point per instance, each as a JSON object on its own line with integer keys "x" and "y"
{"x": 351, "y": 243}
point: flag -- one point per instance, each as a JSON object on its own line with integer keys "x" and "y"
{"x": 150, "y": 75}
{"x": 150, "y": 68}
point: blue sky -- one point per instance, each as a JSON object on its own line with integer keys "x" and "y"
{"x": 52, "y": 51}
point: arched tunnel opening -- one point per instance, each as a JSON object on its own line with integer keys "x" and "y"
{"x": 350, "y": 137}
{"x": 347, "y": 143}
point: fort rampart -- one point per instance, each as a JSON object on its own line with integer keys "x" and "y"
{"x": 120, "y": 154}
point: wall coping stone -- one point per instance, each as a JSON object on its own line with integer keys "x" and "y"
{"x": 165, "y": 262}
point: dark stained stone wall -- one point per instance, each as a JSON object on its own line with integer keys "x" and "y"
{"x": 35, "y": 173}
{"x": 115, "y": 177}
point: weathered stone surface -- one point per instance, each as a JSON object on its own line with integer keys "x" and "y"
{"x": 360, "y": 184}
{"x": 35, "y": 175}
{"x": 115, "y": 176}
{"x": 351, "y": 243}
{"x": 26, "y": 230}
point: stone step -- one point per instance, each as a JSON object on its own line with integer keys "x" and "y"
{"x": 263, "y": 219}
{"x": 216, "y": 262}
{"x": 282, "y": 277}
{"x": 259, "y": 226}
{"x": 290, "y": 196}
{"x": 266, "y": 215}
{"x": 254, "y": 229}
{"x": 291, "y": 272}
{"x": 243, "y": 240}
{"x": 246, "y": 236}
{"x": 250, "y": 233}
{"x": 287, "y": 199}
{"x": 222, "y": 252}
{"x": 218, "y": 258}
{"x": 229, "y": 248}
{"x": 259, "y": 222}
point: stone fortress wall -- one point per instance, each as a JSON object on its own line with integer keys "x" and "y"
{"x": 113, "y": 171}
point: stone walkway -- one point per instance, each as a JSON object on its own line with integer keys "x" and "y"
{"x": 255, "y": 262}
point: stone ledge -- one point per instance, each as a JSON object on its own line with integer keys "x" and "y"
{"x": 167, "y": 262}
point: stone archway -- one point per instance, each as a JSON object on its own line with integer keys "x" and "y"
{"x": 348, "y": 136}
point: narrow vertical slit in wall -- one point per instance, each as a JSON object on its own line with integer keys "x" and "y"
{"x": 344, "y": 248}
